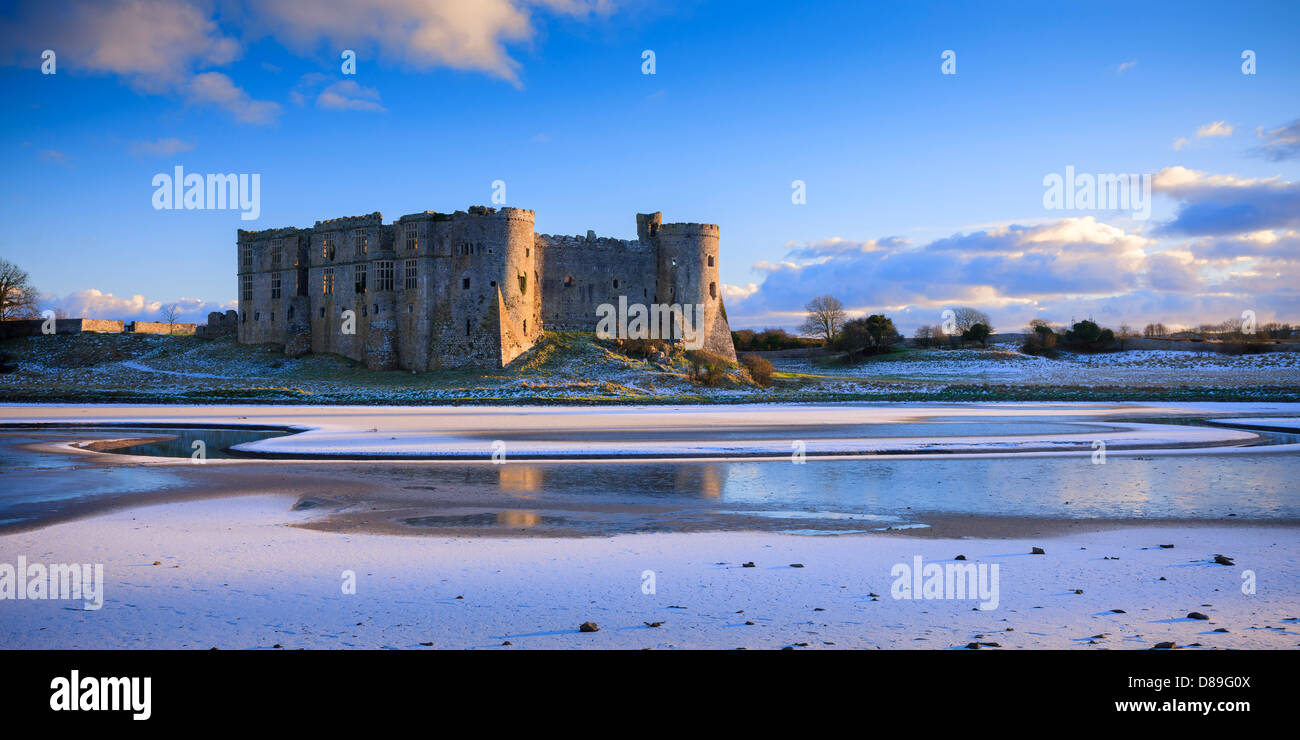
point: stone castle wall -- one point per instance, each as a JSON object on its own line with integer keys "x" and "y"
{"x": 467, "y": 289}
{"x": 580, "y": 273}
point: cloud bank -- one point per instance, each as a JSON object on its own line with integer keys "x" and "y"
{"x": 177, "y": 47}
{"x": 1233, "y": 244}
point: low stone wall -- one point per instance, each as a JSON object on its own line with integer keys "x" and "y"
{"x": 33, "y": 327}
{"x": 104, "y": 326}
{"x": 161, "y": 327}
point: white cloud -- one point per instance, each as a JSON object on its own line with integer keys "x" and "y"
{"x": 155, "y": 46}
{"x": 218, "y": 89}
{"x": 1214, "y": 128}
{"x": 1067, "y": 268}
{"x": 348, "y": 95}
{"x": 418, "y": 33}
{"x": 1125, "y": 66}
{"x": 1180, "y": 142}
{"x": 96, "y": 304}
{"x": 1179, "y": 179}
{"x": 170, "y": 47}
{"x": 738, "y": 292}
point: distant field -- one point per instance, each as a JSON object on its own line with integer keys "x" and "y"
{"x": 1003, "y": 364}
{"x": 573, "y": 367}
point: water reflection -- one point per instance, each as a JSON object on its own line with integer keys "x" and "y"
{"x": 611, "y": 497}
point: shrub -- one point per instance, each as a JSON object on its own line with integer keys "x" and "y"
{"x": 759, "y": 369}
{"x": 978, "y": 332}
{"x": 874, "y": 334}
{"x": 1086, "y": 336}
{"x": 707, "y": 367}
{"x": 748, "y": 340}
{"x": 1040, "y": 340}
{"x": 1242, "y": 348}
{"x": 644, "y": 348}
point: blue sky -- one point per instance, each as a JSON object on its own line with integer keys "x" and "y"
{"x": 924, "y": 190}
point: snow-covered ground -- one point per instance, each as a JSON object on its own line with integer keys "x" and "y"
{"x": 572, "y": 367}
{"x": 229, "y": 573}
{"x": 1006, "y": 364}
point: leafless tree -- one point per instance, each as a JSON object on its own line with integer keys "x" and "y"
{"x": 965, "y": 317}
{"x": 1124, "y": 334}
{"x": 825, "y": 317}
{"x": 169, "y": 313}
{"x": 18, "y": 297}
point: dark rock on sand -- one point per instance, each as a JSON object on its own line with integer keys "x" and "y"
{"x": 1164, "y": 646}
{"x": 1196, "y": 615}
{"x": 1037, "y": 551}
{"x": 653, "y": 624}
{"x": 960, "y": 557}
{"x": 588, "y": 627}
{"x": 747, "y": 565}
{"x": 1223, "y": 560}
{"x": 1118, "y": 611}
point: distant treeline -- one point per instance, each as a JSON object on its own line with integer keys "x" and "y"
{"x": 767, "y": 340}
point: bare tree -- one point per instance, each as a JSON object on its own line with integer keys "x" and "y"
{"x": 825, "y": 317}
{"x": 1151, "y": 331}
{"x": 965, "y": 317}
{"x": 1125, "y": 333}
{"x": 169, "y": 313}
{"x": 18, "y": 297}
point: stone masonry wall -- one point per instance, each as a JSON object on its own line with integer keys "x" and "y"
{"x": 472, "y": 288}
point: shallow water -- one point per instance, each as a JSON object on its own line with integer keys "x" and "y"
{"x": 856, "y": 495}
{"x": 818, "y": 496}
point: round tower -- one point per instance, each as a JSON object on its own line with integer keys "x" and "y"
{"x": 688, "y": 277}
{"x": 688, "y": 264}
{"x": 520, "y": 281}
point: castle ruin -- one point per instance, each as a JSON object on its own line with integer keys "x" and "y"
{"x": 466, "y": 289}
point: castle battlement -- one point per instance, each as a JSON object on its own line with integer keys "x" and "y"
{"x": 369, "y": 219}
{"x": 470, "y": 288}
{"x": 689, "y": 228}
{"x": 566, "y": 241}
